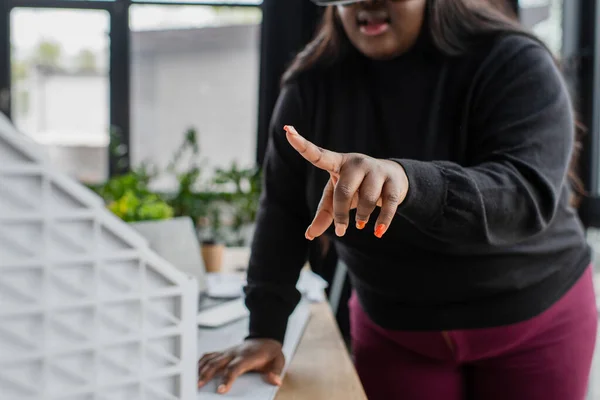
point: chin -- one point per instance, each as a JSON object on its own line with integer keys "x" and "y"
{"x": 383, "y": 47}
{"x": 380, "y": 56}
{"x": 379, "y": 52}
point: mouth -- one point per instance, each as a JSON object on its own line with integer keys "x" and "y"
{"x": 373, "y": 23}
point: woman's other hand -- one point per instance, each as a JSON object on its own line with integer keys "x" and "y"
{"x": 356, "y": 181}
{"x": 256, "y": 355}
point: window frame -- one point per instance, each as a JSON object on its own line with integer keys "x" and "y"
{"x": 580, "y": 59}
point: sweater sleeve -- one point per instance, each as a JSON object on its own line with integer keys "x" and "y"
{"x": 520, "y": 142}
{"x": 279, "y": 249}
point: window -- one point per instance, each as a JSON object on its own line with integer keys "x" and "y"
{"x": 216, "y": 2}
{"x": 544, "y": 18}
{"x": 17, "y": 2}
{"x": 194, "y": 67}
{"x": 59, "y": 73}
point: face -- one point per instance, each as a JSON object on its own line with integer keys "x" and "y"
{"x": 382, "y": 29}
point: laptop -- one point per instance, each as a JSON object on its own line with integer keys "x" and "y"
{"x": 184, "y": 253}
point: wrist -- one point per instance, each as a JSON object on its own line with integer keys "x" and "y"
{"x": 426, "y": 199}
{"x": 264, "y": 340}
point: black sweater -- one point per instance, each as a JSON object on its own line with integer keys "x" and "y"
{"x": 485, "y": 236}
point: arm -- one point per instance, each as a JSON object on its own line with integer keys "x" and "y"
{"x": 279, "y": 249}
{"x": 522, "y": 138}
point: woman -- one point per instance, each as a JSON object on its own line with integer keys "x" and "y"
{"x": 449, "y": 134}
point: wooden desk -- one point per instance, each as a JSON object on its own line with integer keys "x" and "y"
{"x": 321, "y": 368}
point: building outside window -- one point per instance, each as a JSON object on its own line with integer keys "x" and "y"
{"x": 194, "y": 67}
{"x": 60, "y": 85}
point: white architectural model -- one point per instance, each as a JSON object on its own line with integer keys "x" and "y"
{"x": 87, "y": 310}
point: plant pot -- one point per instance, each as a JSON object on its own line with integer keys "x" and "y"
{"x": 212, "y": 255}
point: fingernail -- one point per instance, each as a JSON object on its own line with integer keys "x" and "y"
{"x": 221, "y": 389}
{"x": 289, "y": 129}
{"x": 307, "y": 235}
{"x": 200, "y": 383}
{"x": 361, "y": 224}
{"x": 278, "y": 380}
{"x": 380, "y": 230}
{"x": 340, "y": 229}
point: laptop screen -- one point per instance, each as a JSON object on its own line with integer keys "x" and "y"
{"x": 176, "y": 241}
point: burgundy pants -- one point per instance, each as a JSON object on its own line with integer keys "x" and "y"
{"x": 545, "y": 358}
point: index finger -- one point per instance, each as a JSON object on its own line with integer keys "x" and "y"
{"x": 325, "y": 159}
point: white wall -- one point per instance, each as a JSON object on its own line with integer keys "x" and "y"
{"x": 64, "y": 106}
{"x": 88, "y": 96}
{"x": 69, "y": 115}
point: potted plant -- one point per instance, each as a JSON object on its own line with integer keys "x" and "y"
{"x": 187, "y": 171}
{"x": 132, "y": 208}
{"x": 240, "y": 188}
{"x": 129, "y": 197}
{"x": 230, "y": 198}
{"x": 211, "y": 238}
{"x": 190, "y": 201}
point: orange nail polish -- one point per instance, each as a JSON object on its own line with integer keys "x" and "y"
{"x": 380, "y": 230}
{"x": 361, "y": 224}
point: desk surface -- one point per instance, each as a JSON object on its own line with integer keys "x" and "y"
{"x": 321, "y": 367}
